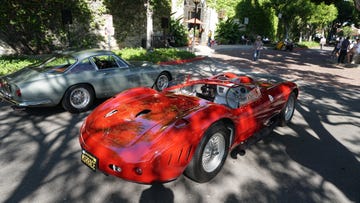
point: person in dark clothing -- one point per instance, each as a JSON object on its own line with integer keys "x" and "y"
{"x": 343, "y": 50}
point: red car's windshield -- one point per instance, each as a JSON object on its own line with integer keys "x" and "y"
{"x": 231, "y": 93}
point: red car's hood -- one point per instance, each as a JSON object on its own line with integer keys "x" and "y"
{"x": 136, "y": 116}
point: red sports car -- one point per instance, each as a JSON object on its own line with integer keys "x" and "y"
{"x": 147, "y": 136}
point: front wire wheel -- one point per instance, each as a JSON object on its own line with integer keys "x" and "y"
{"x": 210, "y": 155}
{"x": 213, "y": 152}
{"x": 288, "y": 111}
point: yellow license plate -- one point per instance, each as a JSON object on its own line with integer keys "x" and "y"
{"x": 89, "y": 160}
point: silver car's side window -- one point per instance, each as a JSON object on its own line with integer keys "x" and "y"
{"x": 105, "y": 62}
{"x": 122, "y": 63}
{"x": 83, "y": 65}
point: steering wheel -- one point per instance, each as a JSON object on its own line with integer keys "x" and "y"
{"x": 233, "y": 96}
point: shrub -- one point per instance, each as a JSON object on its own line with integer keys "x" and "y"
{"x": 12, "y": 63}
{"x": 227, "y": 32}
{"x": 178, "y": 33}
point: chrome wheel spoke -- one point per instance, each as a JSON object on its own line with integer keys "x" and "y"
{"x": 79, "y": 98}
{"x": 213, "y": 152}
{"x": 289, "y": 108}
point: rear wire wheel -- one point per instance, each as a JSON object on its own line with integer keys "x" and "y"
{"x": 288, "y": 111}
{"x": 78, "y": 98}
{"x": 210, "y": 155}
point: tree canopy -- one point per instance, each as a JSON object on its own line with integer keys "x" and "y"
{"x": 282, "y": 19}
{"x": 356, "y": 2}
{"x": 38, "y": 26}
{"x": 35, "y": 26}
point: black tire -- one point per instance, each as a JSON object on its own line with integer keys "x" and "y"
{"x": 162, "y": 81}
{"x": 214, "y": 146}
{"x": 287, "y": 112}
{"x": 78, "y": 98}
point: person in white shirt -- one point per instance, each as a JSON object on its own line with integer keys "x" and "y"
{"x": 258, "y": 45}
{"x": 322, "y": 42}
{"x": 354, "y": 51}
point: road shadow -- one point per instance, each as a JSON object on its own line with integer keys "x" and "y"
{"x": 48, "y": 158}
{"x": 305, "y": 66}
{"x": 39, "y": 151}
{"x": 323, "y": 157}
{"x": 157, "y": 193}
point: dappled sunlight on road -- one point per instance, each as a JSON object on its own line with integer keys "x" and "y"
{"x": 314, "y": 159}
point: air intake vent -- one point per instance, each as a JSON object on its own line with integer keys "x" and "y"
{"x": 146, "y": 111}
{"x": 111, "y": 113}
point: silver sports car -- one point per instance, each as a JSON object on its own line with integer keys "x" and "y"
{"x": 75, "y": 79}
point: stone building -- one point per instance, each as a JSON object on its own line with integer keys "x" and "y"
{"x": 108, "y": 24}
{"x": 207, "y": 16}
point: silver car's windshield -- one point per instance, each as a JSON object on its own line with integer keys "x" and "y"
{"x": 57, "y": 64}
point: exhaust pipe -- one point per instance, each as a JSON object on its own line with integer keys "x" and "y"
{"x": 18, "y": 108}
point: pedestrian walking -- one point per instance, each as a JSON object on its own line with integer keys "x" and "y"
{"x": 322, "y": 42}
{"x": 353, "y": 50}
{"x": 209, "y": 38}
{"x": 343, "y": 50}
{"x": 258, "y": 45}
{"x": 335, "y": 52}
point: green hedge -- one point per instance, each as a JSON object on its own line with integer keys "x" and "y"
{"x": 12, "y": 63}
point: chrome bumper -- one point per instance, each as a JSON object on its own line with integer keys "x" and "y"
{"x": 42, "y": 102}
{"x": 6, "y": 98}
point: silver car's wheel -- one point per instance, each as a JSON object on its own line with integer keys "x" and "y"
{"x": 162, "y": 81}
{"x": 78, "y": 98}
{"x": 288, "y": 111}
{"x": 210, "y": 154}
{"x": 213, "y": 152}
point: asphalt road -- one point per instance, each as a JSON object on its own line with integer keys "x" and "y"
{"x": 315, "y": 159}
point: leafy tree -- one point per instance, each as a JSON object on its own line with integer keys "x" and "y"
{"x": 299, "y": 26}
{"x": 227, "y": 32}
{"x": 178, "y": 32}
{"x": 302, "y": 17}
{"x": 322, "y": 16}
{"x": 355, "y": 2}
{"x": 261, "y": 18}
{"x": 292, "y": 16}
{"x": 36, "y": 26}
{"x": 33, "y": 27}
{"x": 227, "y": 6}
{"x": 347, "y": 13}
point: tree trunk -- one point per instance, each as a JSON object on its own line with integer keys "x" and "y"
{"x": 149, "y": 25}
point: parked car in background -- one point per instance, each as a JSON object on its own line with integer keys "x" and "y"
{"x": 75, "y": 79}
{"x": 286, "y": 45}
{"x": 147, "y": 136}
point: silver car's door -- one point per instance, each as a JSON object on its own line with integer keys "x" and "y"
{"x": 147, "y": 73}
{"x": 113, "y": 75}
